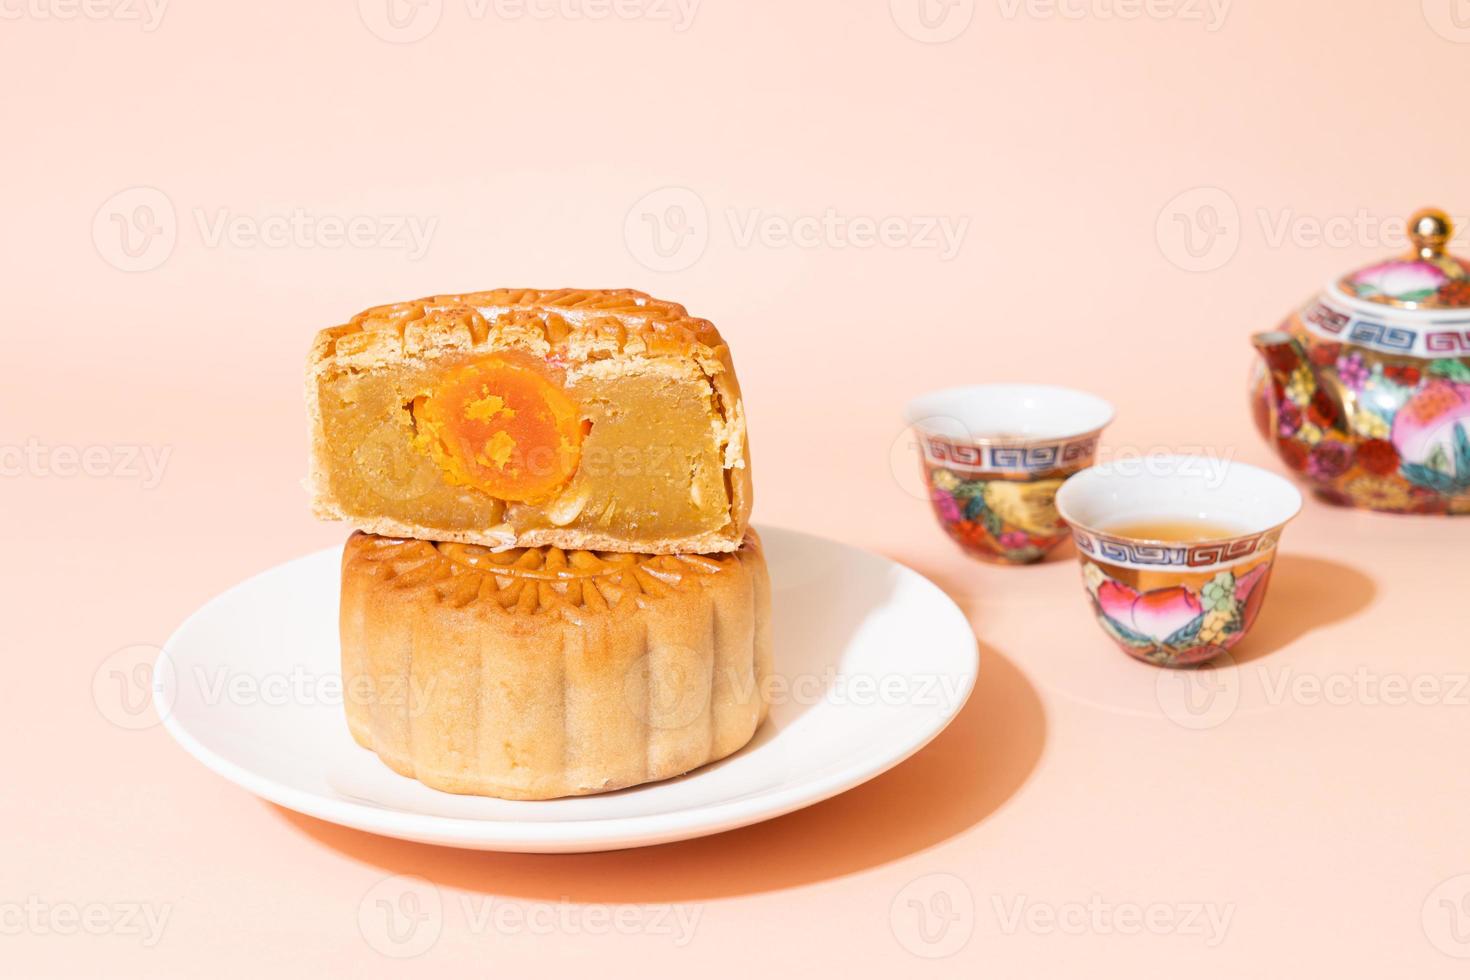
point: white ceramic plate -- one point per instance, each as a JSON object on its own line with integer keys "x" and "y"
{"x": 872, "y": 661}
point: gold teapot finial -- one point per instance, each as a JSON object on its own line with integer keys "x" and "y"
{"x": 1430, "y": 230}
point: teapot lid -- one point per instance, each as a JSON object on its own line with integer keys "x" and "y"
{"x": 1426, "y": 278}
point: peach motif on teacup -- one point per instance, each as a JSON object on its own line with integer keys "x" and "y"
{"x": 1177, "y": 620}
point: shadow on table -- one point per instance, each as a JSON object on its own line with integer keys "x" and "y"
{"x": 1305, "y": 594}
{"x": 955, "y": 782}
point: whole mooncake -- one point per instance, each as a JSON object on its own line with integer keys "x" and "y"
{"x": 537, "y": 673}
{"x": 576, "y": 419}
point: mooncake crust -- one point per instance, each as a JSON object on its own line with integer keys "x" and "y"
{"x": 604, "y": 330}
{"x": 540, "y": 673}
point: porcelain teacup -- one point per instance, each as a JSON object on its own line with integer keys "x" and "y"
{"x": 1170, "y": 596}
{"x": 993, "y": 457}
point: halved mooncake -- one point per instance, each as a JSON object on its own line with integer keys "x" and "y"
{"x": 536, "y": 673}
{"x": 516, "y": 417}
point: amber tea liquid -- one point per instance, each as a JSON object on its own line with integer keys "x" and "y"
{"x": 1182, "y": 530}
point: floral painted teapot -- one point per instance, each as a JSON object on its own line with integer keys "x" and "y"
{"x": 1365, "y": 391}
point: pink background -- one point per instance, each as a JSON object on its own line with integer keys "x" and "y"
{"x": 1329, "y": 828}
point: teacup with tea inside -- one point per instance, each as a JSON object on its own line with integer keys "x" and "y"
{"x": 1176, "y": 553}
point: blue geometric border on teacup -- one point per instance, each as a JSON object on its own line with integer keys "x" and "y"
{"x": 1031, "y": 457}
{"x": 1117, "y": 551}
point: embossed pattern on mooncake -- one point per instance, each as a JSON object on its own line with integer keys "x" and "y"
{"x": 537, "y": 581}
{"x": 539, "y": 673}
